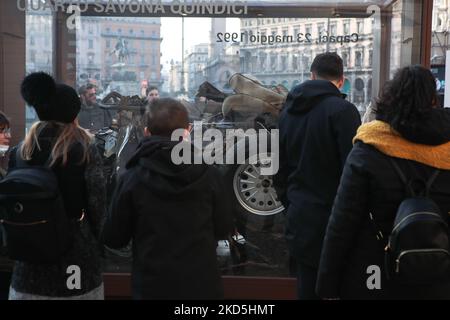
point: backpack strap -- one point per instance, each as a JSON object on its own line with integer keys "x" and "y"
{"x": 431, "y": 181}
{"x": 409, "y": 184}
{"x": 22, "y": 163}
{"x": 401, "y": 175}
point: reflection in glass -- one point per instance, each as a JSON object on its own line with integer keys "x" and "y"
{"x": 39, "y": 49}
{"x": 277, "y": 57}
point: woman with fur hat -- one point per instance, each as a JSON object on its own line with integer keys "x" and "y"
{"x": 77, "y": 164}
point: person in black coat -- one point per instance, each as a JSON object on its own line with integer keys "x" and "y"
{"x": 92, "y": 117}
{"x": 174, "y": 215}
{"x": 317, "y": 126}
{"x": 6, "y": 265}
{"x": 412, "y": 129}
{"x": 76, "y": 163}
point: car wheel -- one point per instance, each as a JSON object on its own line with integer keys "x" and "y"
{"x": 254, "y": 191}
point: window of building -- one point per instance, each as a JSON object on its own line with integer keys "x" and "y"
{"x": 91, "y": 44}
{"x": 283, "y": 63}
{"x": 33, "y": 56}
{"x": 308, "y": 29}
{"x": 358, "y": 59}
{"x": 273, "y": 62}
{"x": 344, "y": 57}
{"x": 360, "y": 27}
{"x": 346, "y": 27}
{"x": 333, "y": 29}
{"x": 294, "y": 62}
{"x": 306, "y": 63}
{"x": 262, "y": 61}
{"x": 358, "y": 93}
{"x": 108, "y": 43}
{"x": 320, "y": 28}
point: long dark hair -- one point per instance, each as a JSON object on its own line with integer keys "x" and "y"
{"x": 407, "y": 100}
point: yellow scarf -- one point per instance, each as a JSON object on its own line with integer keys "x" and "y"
{"x": 380, "y": 135}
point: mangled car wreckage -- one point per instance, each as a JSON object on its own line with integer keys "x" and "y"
{"x": 253, "y": 110}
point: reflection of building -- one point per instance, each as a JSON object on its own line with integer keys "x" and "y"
{"x": 39, "y": 42}
{"x": 223, "y": 61}
{"x": 288, "y": 61}
{"x": 175, "y": 78}
{"x": 195, "y": 63}
{"x": 214, "y": 62}
{"x": 96, "y": 41}
{"x": 98, "y": 52}
{"x": 89, "y": 57}
{"x": 39, "y": 49}
{"x": 440, "y": 31}
{"x": 165, "y": 78}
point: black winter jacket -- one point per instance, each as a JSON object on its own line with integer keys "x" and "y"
{"x": 316, "y": 130}
{"x": 174, "y": 215}
{"x": 371, "y": 185}
{"x": 94, "y": 118}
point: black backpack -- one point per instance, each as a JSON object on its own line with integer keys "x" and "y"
{"x": 418, "y": 251}
{"x": 32, "y": 214}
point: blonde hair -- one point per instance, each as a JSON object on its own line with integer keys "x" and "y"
{"x": 70, "y": 134}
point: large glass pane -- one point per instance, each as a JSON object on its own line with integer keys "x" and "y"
{"x": 178, "y": 55}
{"x": 405, "y": 22}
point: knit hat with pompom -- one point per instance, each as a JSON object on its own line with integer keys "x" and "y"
{"x": 52, "y": 101}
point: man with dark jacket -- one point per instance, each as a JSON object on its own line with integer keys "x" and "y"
{"x": 91, "y": 116}
{"x": 316, "y": 129}
{"x": 173, "y": 213}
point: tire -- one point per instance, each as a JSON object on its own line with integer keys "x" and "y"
{"x": 263, "y": 253}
